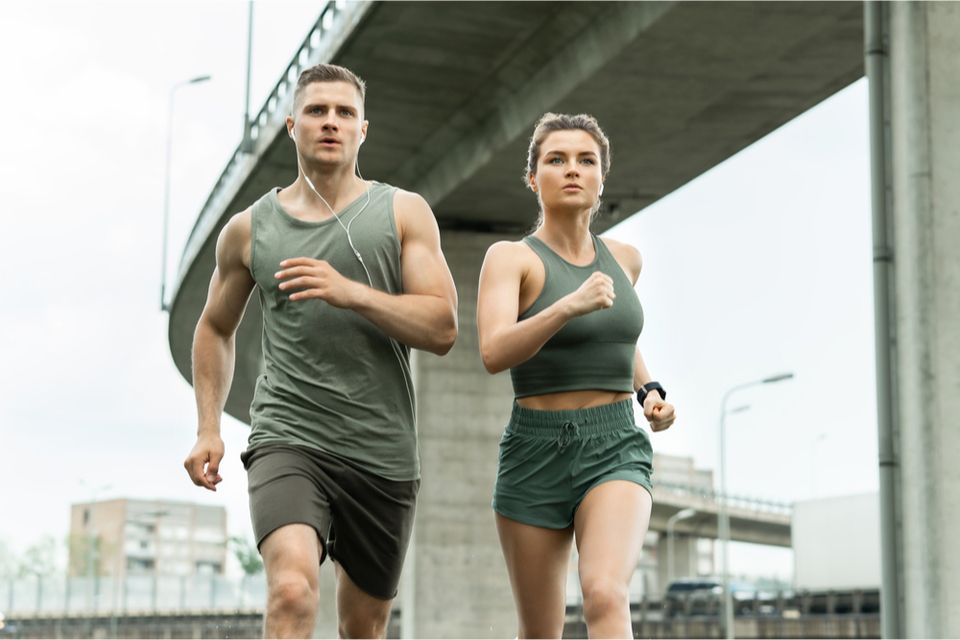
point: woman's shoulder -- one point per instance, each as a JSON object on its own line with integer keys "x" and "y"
{"x": 627, "y": 255}
{"x": 508, "y": 250}
{"x": 514, "y": 257}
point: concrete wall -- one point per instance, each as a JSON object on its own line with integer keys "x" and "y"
{"x": 460, "y": 585}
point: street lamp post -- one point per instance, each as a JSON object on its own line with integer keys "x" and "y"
{"x": 246, "y": 145}
{"x": 689, "y": 512}
{"x": 91, "y": 542}
{"x": 722, "y": 512}
{"x": 166, "y": 186}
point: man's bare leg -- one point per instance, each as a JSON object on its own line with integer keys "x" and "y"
{"x": 291, "y": 558}
{"x": 359, "y": 614}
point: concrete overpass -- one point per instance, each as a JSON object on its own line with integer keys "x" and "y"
{"x": 454, "y": 89}
{"x": 755, "y": 521}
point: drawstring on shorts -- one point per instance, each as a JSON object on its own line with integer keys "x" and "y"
{"x": 568, "y": 432}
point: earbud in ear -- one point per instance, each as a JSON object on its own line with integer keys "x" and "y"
{"x": 601, "y": 189}
{"x": 362, "y": 138}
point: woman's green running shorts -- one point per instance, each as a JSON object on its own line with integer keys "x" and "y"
{"x": 549, "y": 460}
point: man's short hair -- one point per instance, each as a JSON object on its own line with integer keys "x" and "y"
{"x": 329, "y": 73}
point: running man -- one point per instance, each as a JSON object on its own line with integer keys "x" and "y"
{"x": 350, "y": 276}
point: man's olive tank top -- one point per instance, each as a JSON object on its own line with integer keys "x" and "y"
{"x": 332, "y": 380}
{"x": 593, "y": 351}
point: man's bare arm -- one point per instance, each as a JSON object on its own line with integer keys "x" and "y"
{"x": 214, "y": 346}
{"x": 425, "y": 315}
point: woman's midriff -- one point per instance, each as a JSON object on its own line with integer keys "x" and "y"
{"x": 572, "y": 399}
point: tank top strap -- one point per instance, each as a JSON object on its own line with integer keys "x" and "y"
{"x": 607, "y": 262}
{"x": 549, "y": 256}
{"x": 541, "y": 249}
{"x": 605, "y": 257}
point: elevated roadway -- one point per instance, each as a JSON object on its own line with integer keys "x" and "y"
{"x": 455, "y": 87}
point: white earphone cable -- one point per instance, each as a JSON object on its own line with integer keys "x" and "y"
{"x": 397, "y": 351}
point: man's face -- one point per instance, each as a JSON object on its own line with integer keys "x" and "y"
{"x": 327, "y": 122}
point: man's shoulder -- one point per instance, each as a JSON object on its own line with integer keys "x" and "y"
{"x": 239, "y": 224}
{"x": 404, "y": 200}
{"x": 413, "y": 214}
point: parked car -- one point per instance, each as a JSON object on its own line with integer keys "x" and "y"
{"x": 7, "y": 630}
{"x": 704, "y": 596}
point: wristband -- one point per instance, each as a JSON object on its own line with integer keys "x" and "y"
{"x": 647, "y": 388}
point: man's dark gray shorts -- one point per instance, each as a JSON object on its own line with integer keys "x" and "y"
{"x": 363, "y": 520}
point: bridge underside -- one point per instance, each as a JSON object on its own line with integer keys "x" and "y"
{"x": 454, "y": 89}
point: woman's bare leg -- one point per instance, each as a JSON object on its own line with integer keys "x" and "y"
{"x": 537, "y": 560}
{"x": 610, "y": 526}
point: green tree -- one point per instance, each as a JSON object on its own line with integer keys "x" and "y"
{"x": 40, "y": 558}
{"x": 9, "y": 566}
{"x": 247, "y": 555}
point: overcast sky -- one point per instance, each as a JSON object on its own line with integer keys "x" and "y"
{"x": 759, "y": 266}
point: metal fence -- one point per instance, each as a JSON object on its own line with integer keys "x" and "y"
{"x": 37, "y": 595}
{"x": 216, "y": 607}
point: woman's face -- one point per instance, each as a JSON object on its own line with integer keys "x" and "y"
{"x": 569, "y": 175}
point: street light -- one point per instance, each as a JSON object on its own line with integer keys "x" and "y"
{"x": 722, "y": 513}
{"x": 246, "y": 145}
{"x": 166, "y": 186}
{"x": 92, "y": 545}
{"x": 151, "y": 520}
{"x": 90, "y": 533}
{"x": 689, "y": 512}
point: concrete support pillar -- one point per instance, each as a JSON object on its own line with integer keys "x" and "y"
{"x": 685, "y": 559}
{"x": 925, "y": 163}
{"x": 459, "y": 584}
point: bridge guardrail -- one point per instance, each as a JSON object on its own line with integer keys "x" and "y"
{"x": 335, "y": 15}
{"x": 745, "y": 502}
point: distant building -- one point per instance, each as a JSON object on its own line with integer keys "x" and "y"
{"x": 680, "y": 470}
{"x": 126, "y": 537}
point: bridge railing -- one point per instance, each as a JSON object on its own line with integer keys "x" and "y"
{"x": 334, "y": 16}
{"x": 733, "y": 500}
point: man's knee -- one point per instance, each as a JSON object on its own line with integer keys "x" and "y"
{"x": 292, "y": 594}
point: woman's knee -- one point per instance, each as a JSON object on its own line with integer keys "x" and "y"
{"x": 603, "y": 596}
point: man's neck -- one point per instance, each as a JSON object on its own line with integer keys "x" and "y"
{"x": 336, "y": 189}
